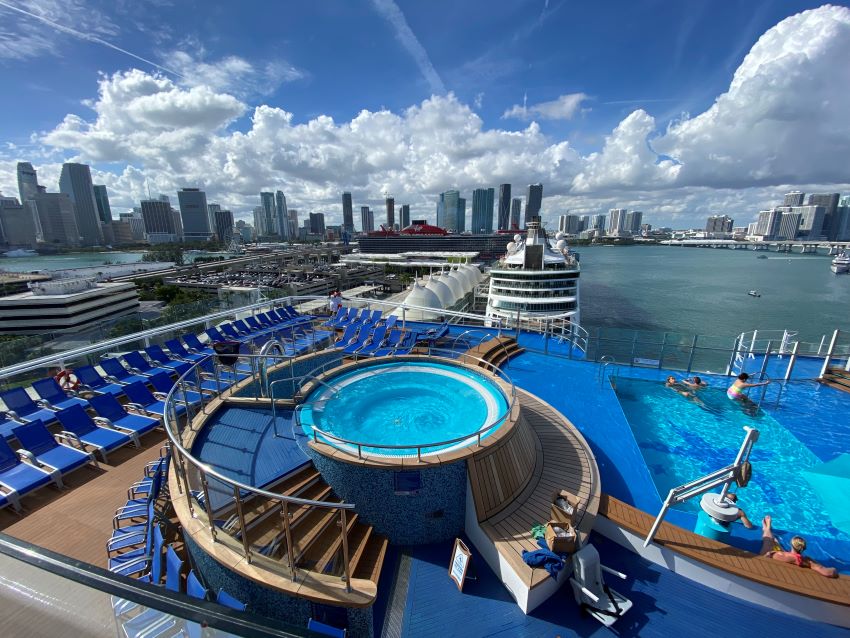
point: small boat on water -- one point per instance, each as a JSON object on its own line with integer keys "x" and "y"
{"x": 20, "y": 252}
{"x": 754, "y": 293}
{"x": 841, "y": 263}
{"x": 762, "y": 257}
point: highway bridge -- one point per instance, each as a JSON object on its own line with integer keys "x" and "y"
{"x": 799, "y": 245}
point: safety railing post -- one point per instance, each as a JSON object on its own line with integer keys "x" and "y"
{"x": 207, "y": 505}
{"x": 246, "y": 545}
{"x": 343, "y": 520}
{"x": 661, "y": 354}
{"x": 792, "y": 360}
{"x": 829, "y": 352}
{"x": 691, "y": 354}
{"x": 735, "y": 348}
{"x": 287, "y": 532}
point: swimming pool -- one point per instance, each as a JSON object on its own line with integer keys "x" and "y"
{"x": 681, "y": 440}
{"x": 404, "y": 403}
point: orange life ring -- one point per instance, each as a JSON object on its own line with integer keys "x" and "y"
{"x": 67, "y": 380}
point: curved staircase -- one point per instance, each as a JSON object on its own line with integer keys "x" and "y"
{"x": 836, "y": 377}
{"x": 496, "y": 351}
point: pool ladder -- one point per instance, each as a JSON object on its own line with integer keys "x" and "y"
{"x": 605, "y": 361}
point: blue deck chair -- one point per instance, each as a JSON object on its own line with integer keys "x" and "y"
{"x": 112, "y": 413}
{"x": 6, "y": 425}
{"x": 195, "y": 588}
{"x": 242, "y": 327}
{"x": 138, "y": 561}
{"x": 20, "y": 478}
{"x": 178, "y": 350}
{"x": 231, "y": 333}
{"x": 173, "y": 569}
{"x": 375, "y": 317}
{"x": 19, "y": 405}
{"x": 159, "y": 357}
{"x": 119, "y": 373}
{"x": 144, "y": 487}
{"x": 91, "y": 381}
{"x": 407, "y": 344}
{"x": 130, "y": 542}
{"x": 363, "y": 336}
{"x": 390, "y": 322}
{"x": 163, "y": 383}
{"x": 54, "y": 396}
{"x": 215, "y": 335}
{"x": 362, "y": 318}
{"x": 143, "y": 400}
{"x": 326, "y": 630}
{"x": 226, "y": 600}
{"x": 41, "y": 448}
{"x": 340, "y": 313}
{"x": 196, "y": 345}
{"x": 267, "y": 320}
{"x": 137, "y": 510}
{"x": 298, "y": 315}
{"x": 375, "y": 342}
{"x": 348, "y": 337}
{"x": 349, "y": 318}
{"x": 390, "y": 343}
{"x": 77, "y": 424}
{"x": 251, "y": 322}
{"x": 140, "y": 365}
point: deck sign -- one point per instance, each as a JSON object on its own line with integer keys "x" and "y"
{"x": 460, "y": 563}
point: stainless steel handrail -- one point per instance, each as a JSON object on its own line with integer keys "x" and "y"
{"x": 418, "y": 447}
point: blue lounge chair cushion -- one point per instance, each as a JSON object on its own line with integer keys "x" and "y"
{"x": 18, "y": 400}
{"x": 113, "y": 368}
{"x": 35, "y": 438}
{"x": 91, "y": 379}
{"x": 77, "y": 421}
{"x": 17, "y": 475}
{"x": 49, "y": 390}
{"x": 109, "y": 408}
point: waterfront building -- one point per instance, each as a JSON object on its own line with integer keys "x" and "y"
{"x": 390, "y": 204}
{"x": 829, "y": 202}
{"x": 317, "y": 224}
{"x": 645, "y": 230}
{"x": 768, "y": 223}
{"x": 812, "y": 220}
{"x": 75, "y": 181}
{"x": 516, "y": 212}
{"x": 632, "y": 222}
{"x": 405, "y": 215}
{"x": 259, "y": 221}
{"x": 533, "y": 201}
{"x": 17, "y": 225}
{"x": 282, "y": 216}
{"x": 504, "y": 217}
{"x": 28, "y": 186}
{"x": 794, "y": 198}
{"x": 293, "y": 222}
{"x": 56, "y": 219}
{"x": 159, "y": 220}
{"x": 66, "y": 306}
{"x": 570, "y": 224}
{"x": 616, "y": 222}
{"x": 194, "y": 214}
{"x": 245, "y": 230}
{"x": 789, "y": 225}
{"x": 451, "y": 212}
{"x": 482, "y": 210}
{"x": 101, "y": 199}
{"x": 347, "y": 213}
{"x": 841, "y": 221}
{"x": 718, "y": 225}
{"x": 269, "y": 207}
{"x": 223, "y": 220}
{"x": 367, "y": 220}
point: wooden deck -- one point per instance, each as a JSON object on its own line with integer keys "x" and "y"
{"x": 735, "y": 561}
{"x": 77, "y": 521}
{"x": 563, "y": 462}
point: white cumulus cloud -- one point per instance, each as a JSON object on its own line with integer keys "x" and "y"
{"x": 563, "y": 108}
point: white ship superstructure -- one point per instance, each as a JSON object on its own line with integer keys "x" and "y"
{"x": 841, "y": 263}
{"x": 535, "y": 281}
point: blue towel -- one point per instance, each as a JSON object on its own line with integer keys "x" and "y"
{"x": 544, "y": 557}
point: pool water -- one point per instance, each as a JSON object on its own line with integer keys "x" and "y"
{"x": 681, "y": 440}
{"x": 404, "y": 404}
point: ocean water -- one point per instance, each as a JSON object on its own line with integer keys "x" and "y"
{"x": 68, "y": 260}
{"x": 704, "y": 291}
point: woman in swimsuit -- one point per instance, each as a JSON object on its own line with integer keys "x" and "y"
{"x": 795, "y": 556}
{"x": 736, "y": 390}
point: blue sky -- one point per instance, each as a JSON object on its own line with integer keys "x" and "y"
{"x": 582, "y": 70}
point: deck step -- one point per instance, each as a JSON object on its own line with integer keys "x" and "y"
{"x": 372, "y": 559}
{"x": 268, "y": 532}
{"x": 320, "y": 557}
{"x": 357, "y": 543}
{"x": 311, "y": 527}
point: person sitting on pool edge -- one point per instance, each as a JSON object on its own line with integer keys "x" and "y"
{"x": 694, "y": 384}
{"x": 736, "y": 390}
{"x": 795, "y": 556}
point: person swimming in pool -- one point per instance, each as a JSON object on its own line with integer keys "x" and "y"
{"x": 694, "y": 383}
{"x": 674, "y": 385}
{"x": 736, "y": 390}
{"x": 795, "y": 556}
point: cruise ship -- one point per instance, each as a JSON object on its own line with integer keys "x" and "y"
{"x": 267, "y": 471}
{"x": 535, "y": 282}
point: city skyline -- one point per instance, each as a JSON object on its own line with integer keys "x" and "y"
{"x": 236, "y": 118}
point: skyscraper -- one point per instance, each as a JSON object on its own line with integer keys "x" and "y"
{"x": 404, "y": 216}
{"x": 347, "y": 213}
{"x": 282, "y": 219}
{"x": 367, "y": 219}
{"x": 75, "y": 181}
{"x": 390, "y": 202}
{"x": 829, "y": 201}
{"x": 533, "y": 201}
{"x": 223, "y": 225}
{"x": 159, "y": 221}
{"x": 768, "y": 223}
{"x": 597, "y": 223}
{"x": 482, "y": 210}
{"x": 269, "y": 212}
{"x": 570, "y": 224}
{"x": 719, "y": 224}
{"x": 451, "y": 212}
{"x": 789, "y": 225}
{"x": 17, "y": 223}
{"x": 317, "y": 224}
{"x": 27, "y": 182}
{"x": 632, "y": 222}
{"x": 195, "y": 214}
{"x": 259, "y": 221}
{"x": 794, "y": 198}
{"x": 55, "y": 212}
{"x": 101, "y": 199}
{"x": 616, "y": 221}
{"x": 293, "y": 223}
{"x": 504, "y": 206}
{"x": 812, "y": 220}
{"x": 516, "y": 212}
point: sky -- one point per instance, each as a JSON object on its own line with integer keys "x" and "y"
{"x": 678, "y": 109}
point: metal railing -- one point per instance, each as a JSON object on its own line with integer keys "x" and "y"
{"x": 436, "y": 446}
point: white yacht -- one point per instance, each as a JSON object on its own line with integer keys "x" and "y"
{"x": 841, "y": 263}
{"x": 535, "y": 281}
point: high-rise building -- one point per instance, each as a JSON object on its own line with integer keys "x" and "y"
{"x": 516, "y": 212}
{"x": 616, "y": 221}
{"x": 75, "y": 181}
{"x": 719, "y": 224}
{"x": 404, "y": 214}
{"x": 482, "y": 210}
{"x": 390, "y": 202}
{"x": 56, "y": 219}
{"x": 282, "y": 216}
{"x": 223, "y": 220}
{"x": 101, "y": 199}
{"x": 451, "y": 212}
{"x": 28, "y": 186}
{"x": 367, "y": 219}
{"x": 841, "y": 221}
{"x": 504, "y": 206}
{"x": 259, "y": 221}
{"x": 632, "y": 222}
{"x": 533, "y": 201}
{"x": 17, "y": 225}
{"x": 789, "y": 225}
{"x": 293, "y": 223}
{"x": 794, "y": 198}
{"x": 160, "y": 221}
{"x": 829, "y": 201}
{"x": 317, "y": 224}
{"x": 347, "y": 213}
{"x": 597, "y": 223}
{"x": 195, "y": 214}
{"x": 768, "y": 223}
{"x": 269, "y": 213}
{"x": 812, "y": 220}
{"x": 570, "y": 224}
{"x": 135, "y": 225}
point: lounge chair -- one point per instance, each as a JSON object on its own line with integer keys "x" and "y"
{"x": 137, "y": 511}
{"x": 348, "y": 337}
{"x": 139, "y": 365}
{"x": 196, "y": 345}
{"x": 215, "y": 336}
{"x": 144, "y": 401}
{"x": 226, "y": 600}
{"x": 119, "y": 373}
{"x": 91, "y": 381}
{"x": 363, "y": 337}
{"x": 162, "y": 383}
{"x": 591, "y": 592}
{"x": 19, "y": 478}
{"x": 362, "y": 318}
{"x": 375, "y": 342}
{"x": 231, "y": 333}
{"x": 79, "y": 426}
{"x": 346, "y": 319}
{"x": 340, "y": 313}
{"x": 41, "y": 448}
{"x": 327, "y": 630}
{"x": 173, "y": 568}
{"x": 390, "y": 322}
{"x": 297, "y": 315}
{"x": 20, "y": 406}
{"x": 195, "y": 588}
{"x": 177, "y": 349}
{"x": 54, "y": 397}
{"x": 6, "y": 425}
{"x": 390, "y": 343}
{"x": 112, "y": 413}
{"x": 159, "y": 357}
